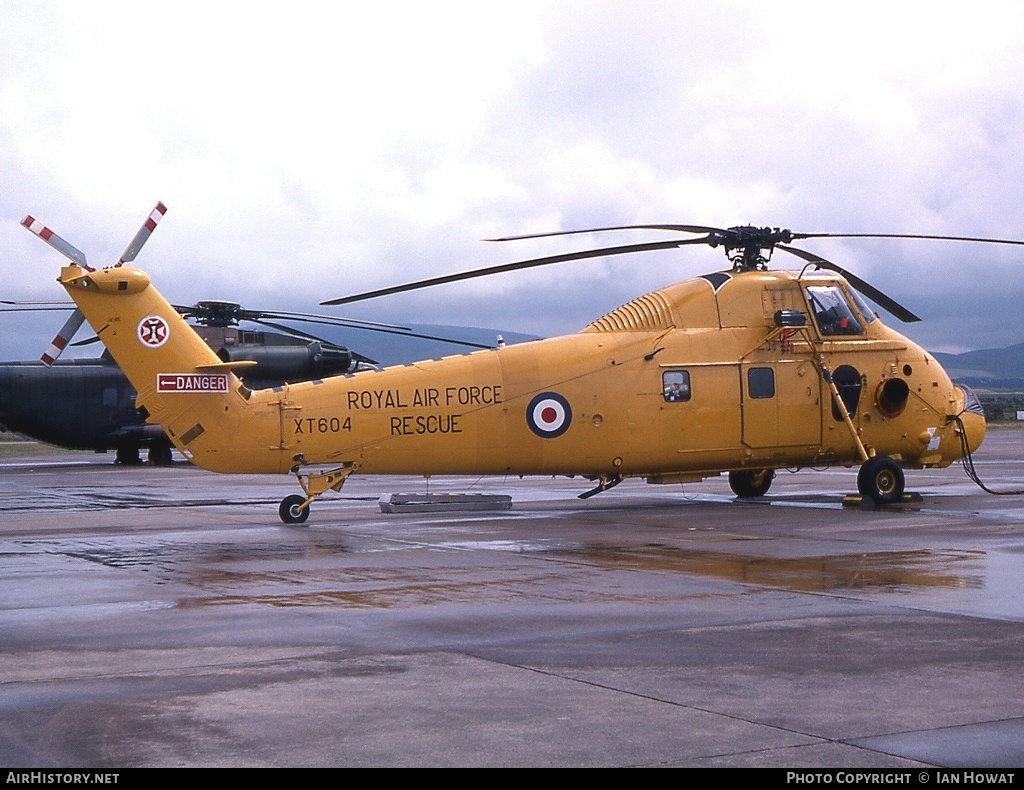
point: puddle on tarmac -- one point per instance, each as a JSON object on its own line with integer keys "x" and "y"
{"x": 890, "y": 571}
{"x": 580, "y": 574}
{"x": 310, "y": 573}
{"x": 395, "y": 592}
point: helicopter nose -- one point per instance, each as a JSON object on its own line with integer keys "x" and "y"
{"x": 972, "y": 417}
{"x": 974, "y": 425}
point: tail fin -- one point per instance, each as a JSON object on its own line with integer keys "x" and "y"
{"x": 181, "y": 384}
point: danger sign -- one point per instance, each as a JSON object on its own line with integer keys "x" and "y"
{"x": 191, "y": 382}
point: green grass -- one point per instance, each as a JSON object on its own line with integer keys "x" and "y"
{"x": 1015, "y": 425}
{"x": 14, "y": 446}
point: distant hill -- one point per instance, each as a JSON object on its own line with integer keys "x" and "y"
{"x": 990, "y": 368}
{"x": 398, "y": 348}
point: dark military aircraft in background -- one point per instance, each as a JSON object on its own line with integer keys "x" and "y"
{"x": 88, "y": 404}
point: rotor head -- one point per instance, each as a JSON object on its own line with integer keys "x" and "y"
{"x": 747, "y": 247}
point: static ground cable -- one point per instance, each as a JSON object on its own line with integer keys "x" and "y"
{"x": 968, "y": 463}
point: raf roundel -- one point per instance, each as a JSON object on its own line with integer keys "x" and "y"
{"x": 153, "y": 331}
{"x": 549, "y": 415}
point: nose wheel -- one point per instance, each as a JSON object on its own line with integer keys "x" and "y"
{"x": 881, "y": 479}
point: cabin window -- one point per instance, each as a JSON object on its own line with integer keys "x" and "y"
{"x": 761, "y": 382}
{"x": 675, "y": 385}
{"x": 832, "y": 311}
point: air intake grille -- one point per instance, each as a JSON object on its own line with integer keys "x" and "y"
{"x": 649, "y": 312}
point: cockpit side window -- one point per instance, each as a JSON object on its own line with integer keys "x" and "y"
{"x": 832, "y": 312}
{"x": 972, "y": 403}
{"x": 863, "y": 307}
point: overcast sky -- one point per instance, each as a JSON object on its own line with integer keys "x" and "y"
{"x": 311, "y": 150}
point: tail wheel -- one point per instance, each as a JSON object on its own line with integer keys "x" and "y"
{"x": 748, "y": 483}
{"x": 881, "y": 479}
{"x": 291, "y": 510}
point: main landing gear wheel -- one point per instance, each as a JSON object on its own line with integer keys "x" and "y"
{"x": 747, "y": 483}
{"x": 881, "y": 479}
{"x": 291, "y": 511}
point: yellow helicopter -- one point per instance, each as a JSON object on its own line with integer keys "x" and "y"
{"x": 743, "y": 371}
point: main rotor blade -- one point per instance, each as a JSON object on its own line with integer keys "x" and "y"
{"x": 904, "y": 236}
{"x": 681, "y": 228}
{"x": 872, "y": 293}
{"x": 330, "y": 320}
{"x": 63, "y": 337}
{"x": 54, "y": 305}
{"x": 511, "y": 267}
{"x": 26, "y": 308}
{"x": 203, "y": 312}
{"x": 143, "y": 235}
{"x": 305, "y": 335}
{"x": 400, "y": 333}
{"x": 66, "y": 249}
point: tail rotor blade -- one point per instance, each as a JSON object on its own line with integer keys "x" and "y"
{"x": 143, "y": 235}
{"x": 66, "y": 249}
{"x": 63, "y": 337}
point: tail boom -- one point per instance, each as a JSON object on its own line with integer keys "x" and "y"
{"x": 182, "y": 384}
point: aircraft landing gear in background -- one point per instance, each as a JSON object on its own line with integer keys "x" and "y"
{"x": 881, "y": 479}
{"x": 160, "y": 454}
{"x": 748, "y": 483}
{"x": 127, "y": 454}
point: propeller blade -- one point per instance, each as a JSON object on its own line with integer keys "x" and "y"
{"x": 63, "y": 337}
{"x": 143, "y": 235}
{"x": 872, "y": 293}
{"x": 66, "y": 249}
{"x": 511, "y": 267}
{"x": 88, "y": 342}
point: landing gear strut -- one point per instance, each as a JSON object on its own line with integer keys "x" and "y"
{"x": 881, "y": 479}
{"x": 294, "y": 509}
{"x": 747, "y": 483}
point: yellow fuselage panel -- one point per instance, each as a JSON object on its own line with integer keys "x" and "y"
{"x": 593, "y": 403}
{"x": 605, "y": 411}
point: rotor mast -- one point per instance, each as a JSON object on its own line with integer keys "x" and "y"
{"x": 749, "y": 248}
